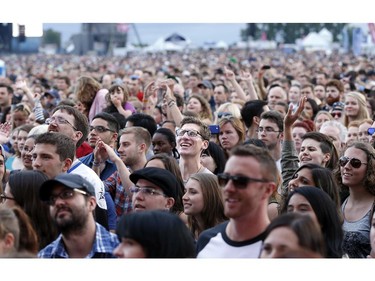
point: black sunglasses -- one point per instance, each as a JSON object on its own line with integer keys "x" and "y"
{"x": 239, "y": 182}
{"x": 354, "y": 162}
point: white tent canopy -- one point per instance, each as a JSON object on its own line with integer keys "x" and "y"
{"x": 174, "y": 42}
{"x": 326, "y": 35}
{"x": 314, "y": 42}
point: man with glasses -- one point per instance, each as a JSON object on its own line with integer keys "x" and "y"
{"x": 270, "y": 131}
{"x": 72, "y": 201}
{"x": 192, "y": 138}
{"x": 154, "y": 189}
{"x": 103, "y": 127}
{"x": 70, "y": 122}
{"x": 248, "y": 181}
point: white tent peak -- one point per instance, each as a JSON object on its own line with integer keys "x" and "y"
{"x": 326, "y": 34}
{"x": 173, "y": 42}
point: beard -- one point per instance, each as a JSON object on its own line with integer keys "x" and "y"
{"x": 331, "y": 100}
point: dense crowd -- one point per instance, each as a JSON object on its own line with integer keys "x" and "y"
{"x": 199, "y": 154}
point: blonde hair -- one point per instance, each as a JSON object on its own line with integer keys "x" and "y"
{"x": 362, "y": 111}
{"x": 228, "y": 107}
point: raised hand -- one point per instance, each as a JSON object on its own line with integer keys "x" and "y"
{"x": 291, "y": 117}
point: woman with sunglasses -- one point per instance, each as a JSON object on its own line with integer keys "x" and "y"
{"x": 357, "y": 174}
{"x": 225, "y": 110}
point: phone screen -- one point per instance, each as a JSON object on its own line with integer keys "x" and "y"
{"x": 214, "y": 129}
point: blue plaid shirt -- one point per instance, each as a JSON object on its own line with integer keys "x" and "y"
{"x": 104, "y": 244}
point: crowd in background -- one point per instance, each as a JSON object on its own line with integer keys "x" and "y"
{"x": 231, "y": 145}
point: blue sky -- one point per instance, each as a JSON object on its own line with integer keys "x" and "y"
{"x": 198, "y": 33}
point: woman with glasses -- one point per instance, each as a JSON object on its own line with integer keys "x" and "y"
{"x": 226, "y": 110}
{"x": 357, "y": 174}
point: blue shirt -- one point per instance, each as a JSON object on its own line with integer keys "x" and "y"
{"x": 104, "y": 244}
{"x": 109, "y": 168}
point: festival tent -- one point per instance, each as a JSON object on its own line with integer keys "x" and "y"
{"x": 314, "y": 42}
{"x": 174, "y": 42}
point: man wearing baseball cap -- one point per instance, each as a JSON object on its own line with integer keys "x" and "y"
{"x": 72, "y": 203}
{"x": 154, "y": 189}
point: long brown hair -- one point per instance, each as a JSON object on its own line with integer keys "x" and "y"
{"x": 213, "y": 209}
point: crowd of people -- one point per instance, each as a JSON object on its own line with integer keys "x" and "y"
{"x": 203, "y": 154}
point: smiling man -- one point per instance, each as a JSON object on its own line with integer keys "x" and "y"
{"x": 247, "y": 182}
{"x": 192, "y": 138}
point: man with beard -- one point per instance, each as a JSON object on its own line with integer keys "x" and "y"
{"x": 334, "y": 93}
{"x": 72, "y": 123}
{"x": 247, "y": 183}
{"x": 133, "y": 145}
{"x": 270, "y": 131}
{"x": 72, "y": 201}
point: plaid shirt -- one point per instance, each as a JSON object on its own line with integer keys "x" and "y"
{"x": 123, "y": 202}
{"x": 104, "y": 244}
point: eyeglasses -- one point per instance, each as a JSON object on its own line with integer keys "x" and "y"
{"x": 65, "y": 194}
{"x": 267, "y": 130}
{"x": 4, "y": 197}
{"x": 224, "y": 114}
{"x": 354, "y": 162}
{"x": 239, "y": 182}
{"x": 370, "y": 131}
{"x": 100, "y": 129}
{"x": 334, "y": 114}
{"x": 146, "y": 190}
{"x": 59, "y": 120}
{"x": 190, "y": 133}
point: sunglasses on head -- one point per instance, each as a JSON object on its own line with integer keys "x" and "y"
{"x": 354, "y": 162}
{"x": 224, "y": 114}
{"x": 334, "y": 114}
{"x": 239, "y": 182}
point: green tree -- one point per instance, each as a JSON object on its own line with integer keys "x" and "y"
{"x": 52, "y": 37}
{"x": 289, "y": 31}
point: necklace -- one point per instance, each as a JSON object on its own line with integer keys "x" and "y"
{"x": 200, "y": 168}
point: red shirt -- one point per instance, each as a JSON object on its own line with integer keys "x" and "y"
{"x": 83, "y": 150}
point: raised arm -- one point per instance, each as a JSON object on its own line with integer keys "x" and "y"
{"x": 246, "y": 76}
{"x": 229, "y": 74}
